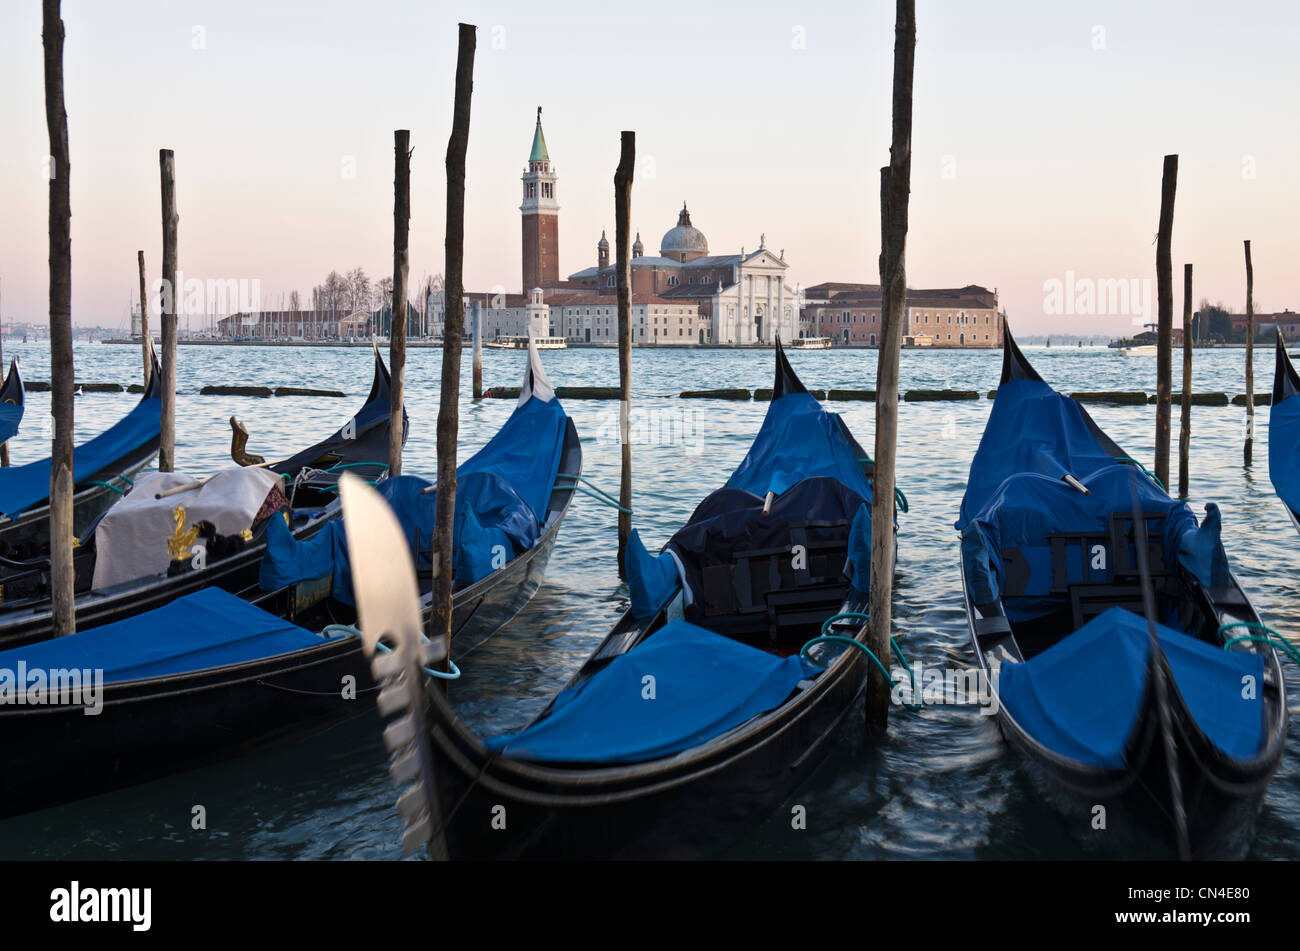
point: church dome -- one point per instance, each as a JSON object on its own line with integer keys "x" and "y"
{"x": 603, "y": 243}
{"x": 684, "y": 239}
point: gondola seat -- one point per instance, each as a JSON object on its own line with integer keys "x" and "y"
{"x": 746, "y": 570}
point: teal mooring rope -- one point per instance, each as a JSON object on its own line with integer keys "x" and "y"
{"x": 351, "y": 631}
{"x": 1270, "y": 637}
{"x": 825, "y": 638}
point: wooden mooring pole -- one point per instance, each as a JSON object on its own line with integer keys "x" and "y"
{"x": 1165, "y": 316}
{"x": 895, "y": 186}
{"x": 476, "y": 324}
{"x": 1250, "y": 358}
{"x": 452, "y": 334}
{"x": 1185, "y": 420}
{"x": 623, "y": 272}
{"x": 170, "y": 302}
{"x": 61, "y": 371}
{"x": 401, "y": 268}
{"x": 144, "y": 320}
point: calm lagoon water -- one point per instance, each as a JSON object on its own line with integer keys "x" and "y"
{"x": 943, "y": 785}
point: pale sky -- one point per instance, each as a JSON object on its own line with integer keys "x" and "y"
{"x": 1039, "y": 135}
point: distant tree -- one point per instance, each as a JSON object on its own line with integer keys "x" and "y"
{"x": 294, "y": 303}
{"x": 358, "y": 289}
{"x": 1215, "y": 320}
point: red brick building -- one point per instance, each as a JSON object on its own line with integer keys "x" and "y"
{"x": 541, "y": 216}
{"x": 937, "y": 317}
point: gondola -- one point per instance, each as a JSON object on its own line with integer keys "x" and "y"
{"x": 310, "y": 476}
{"x": 697, "y": 714}
{"x": 211, "y": 674}
{"x": 103, "y": 468}
{"x": 12, "y": 403}
{"x": 1284, "y": 434}
{"x": 1099, "y": 610}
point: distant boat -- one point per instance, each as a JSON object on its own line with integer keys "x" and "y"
{"x": 811, "y": 343}
{"x": 1141, "y": 350}
{"x": 521, "y": 343}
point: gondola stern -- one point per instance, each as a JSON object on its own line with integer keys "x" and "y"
{"x": 786, "y": 381}
{"x": 13, "y": 391}
{"x": 1014, "y": 364}
{"x": 1286, "y": 382}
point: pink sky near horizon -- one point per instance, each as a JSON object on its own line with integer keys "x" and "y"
{"x": 1035, "y": 153}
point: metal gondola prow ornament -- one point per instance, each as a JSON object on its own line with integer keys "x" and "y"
{"x": 388, "y": 610}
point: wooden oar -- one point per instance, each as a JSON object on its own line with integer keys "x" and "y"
{"x": 388, "y": 607}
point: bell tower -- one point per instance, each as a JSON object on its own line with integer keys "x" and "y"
{"x": 541, "y": 216}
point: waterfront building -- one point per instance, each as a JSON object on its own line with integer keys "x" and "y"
{"x": 849, "y": 314}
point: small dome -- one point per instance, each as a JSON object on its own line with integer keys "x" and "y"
{"x": 603, "y": 242}
{"x": 637, "y": 246}
{"x": 683, "y": 238}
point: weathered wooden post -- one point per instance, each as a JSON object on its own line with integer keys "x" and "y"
{"x": 1165, "y": 315}
{"x": 476, "y": 318}
{"x": 623, "y": 278}
{"x": 61, "y": 379}
{"x": 1185, "y": 421}
{"x": 895, "y": 185}
{"x": 170, "y": 301}
{"x": 144, "y": 320}
{"x": 401, "y": 266}
{"x": 1250, "y": 357}
{"x": 453, "y": 331}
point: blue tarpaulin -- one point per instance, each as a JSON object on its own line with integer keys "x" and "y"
{"x": 1016, "y": 497}
{"x": 210, "y": 628}
{"x": 682, "y": 687}
{"x": 1031, "y": 428}
{"x": 1081, "y": 697}
{"x": 11, "y": 415}
{"x": 798, "y": 440}
{"x": 501, "y": 498}
{"x": 24, "y": 487}
{"x": 1284, "y": 450}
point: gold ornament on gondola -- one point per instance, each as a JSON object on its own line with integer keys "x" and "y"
{"x": 178, "y": 546}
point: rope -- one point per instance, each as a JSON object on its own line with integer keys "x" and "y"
{"x": 348, "y": 629}
{"x": 592, "y": 490}
{"x": 1150, "y": 475}
{"x": 825, "y": 638}
{"x": 107, "y": 485}
{"x": 899, "y": 498}
{"x": 1271, "y": 637}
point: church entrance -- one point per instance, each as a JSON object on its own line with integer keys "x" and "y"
{"x": 701, "y": 335}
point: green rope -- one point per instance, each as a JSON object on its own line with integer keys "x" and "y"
{"x": 1275, "y": 640}
{"x": 107, "y": 485}
{"x": 825, "y": 638}
{"x": 355, "y": 465}
{"x": 592, "y": 490}
{"x": 351, "y": 631}
{"x": 1144, "y": 469}
{"x": 899, "y": 498}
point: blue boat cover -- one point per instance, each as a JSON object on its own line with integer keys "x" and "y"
{"x": 1081, "y": 697}
{"x": 11, "y": 415}
{"x": 1284, "y": 450}
{"x": 802, "y": 455}
{"x": 210, "y": 628}
{"x": 798, "y": 440}
{"x": 1028, "y": 507}
{"x": 501, "y": 499}
{"x": 24, "y": 487}
{"x": 681, "y": 687}
{"x": 651, "y": 580}
{"x": 1031, "y": 428}
{"x": 1015, "y": 497}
